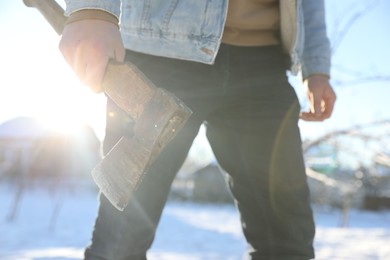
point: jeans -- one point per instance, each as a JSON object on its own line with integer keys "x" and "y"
{"x": 250, "y": 112}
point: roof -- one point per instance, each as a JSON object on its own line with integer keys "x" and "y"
{"x": 23, "y": 127}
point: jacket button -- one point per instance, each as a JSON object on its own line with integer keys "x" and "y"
{"x": 207, "y": 51}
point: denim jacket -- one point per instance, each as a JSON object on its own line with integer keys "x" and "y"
{"x": 192, "y": 29}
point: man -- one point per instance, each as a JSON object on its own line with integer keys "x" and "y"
{"x": 227, "y": 61}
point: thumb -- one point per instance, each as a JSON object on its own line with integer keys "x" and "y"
{"x": 316, "y": 105}
{"x": 120, "y": 53}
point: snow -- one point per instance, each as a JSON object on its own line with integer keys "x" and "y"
{"x": 187, "y": 230}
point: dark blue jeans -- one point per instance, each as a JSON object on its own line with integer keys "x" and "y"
{"x": 251, "y": 113}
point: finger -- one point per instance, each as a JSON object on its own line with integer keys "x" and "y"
{"x": 99, "y": 58}
{"x": 317, "y": 104}
{"x": 311, "y": 117}
{"x": 66, "y": 52}
{"x": 95, "y": 73}
{"x": 329, "y": 105}
{"x": 79, "y": 65}
{"x": 120, "y": 53}
{"x": 304, "y": 116}
{"x": 89, "y": 65}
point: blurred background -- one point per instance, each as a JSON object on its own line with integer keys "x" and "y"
{"x": 51, "y": 128}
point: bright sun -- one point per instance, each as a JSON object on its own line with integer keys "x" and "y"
{"x": 44, "y": 87}
{"x": 66, "y": 124}
{"x": 36, "y": 81}
{"x": 68, "y": 108}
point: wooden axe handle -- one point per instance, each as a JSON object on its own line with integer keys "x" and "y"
{"x": 52, "y": 11}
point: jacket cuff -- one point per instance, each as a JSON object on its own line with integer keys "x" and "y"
{"x": 92, "y": 14}
{"x": 315, "y": 66}
{"x": 112, "y": 6}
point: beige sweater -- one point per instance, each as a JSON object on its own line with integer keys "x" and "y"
{"x": 252, "y": 23}
{"x": 248, "y": 23}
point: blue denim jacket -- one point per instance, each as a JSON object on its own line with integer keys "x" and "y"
{"x": 192, "y": 29}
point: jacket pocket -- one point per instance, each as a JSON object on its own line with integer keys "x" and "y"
{"x": 173, "y": 18}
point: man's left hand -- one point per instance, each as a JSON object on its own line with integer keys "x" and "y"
{"x": 321, "y": 97}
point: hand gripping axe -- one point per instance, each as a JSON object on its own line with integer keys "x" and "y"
{"x": 158, "y": 115}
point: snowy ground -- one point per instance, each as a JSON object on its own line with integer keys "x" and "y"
{"x": 188, "y": 231}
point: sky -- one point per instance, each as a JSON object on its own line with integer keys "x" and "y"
{"x": 36, "y": 81}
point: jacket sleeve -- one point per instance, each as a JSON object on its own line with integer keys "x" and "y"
{"x": 111, "y": 6}
{"x": 316, "y": 57}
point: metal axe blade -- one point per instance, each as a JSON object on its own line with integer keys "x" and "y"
{"x": 121, "y": 171}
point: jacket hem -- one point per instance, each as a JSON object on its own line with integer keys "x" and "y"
{"x": 197, "y": 51}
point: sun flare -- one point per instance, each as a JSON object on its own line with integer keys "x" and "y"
{"x": 63, "y": 125}
{"x": 71, "y": 111}
{"x": 41, "y": 85}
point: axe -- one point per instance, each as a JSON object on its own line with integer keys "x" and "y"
{"x": 157, "y": 114}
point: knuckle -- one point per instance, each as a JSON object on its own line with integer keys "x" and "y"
{"x": 96, "y": 89}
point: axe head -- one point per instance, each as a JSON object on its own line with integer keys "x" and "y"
{"x": 121, "y": 171}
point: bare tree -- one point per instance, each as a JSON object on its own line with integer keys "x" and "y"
{"x": 346, "y": 20}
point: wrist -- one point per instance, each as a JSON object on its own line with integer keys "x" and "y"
{"x": 318, "y": 76}
{"x": 92, "y": 14}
